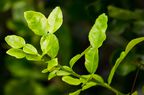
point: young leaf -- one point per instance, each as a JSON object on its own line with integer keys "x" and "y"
{"x": 30, "y": 49}
{"x": 92, "y": 59}
{"x": 84, "y": 78}
{"x": 76, "y": 92}
{"x": 52, "y": 74}
{"x": 37, "y": 22}
{"x": 74, "y": 59}
{"x": 33, "y": 57}
{"x": 15, "y": 41}
{"x": 70, "y": 80}
{"x": 62, "y": 73}
{"x": 98, "y": 78}
{"x": 88, "y": 85}
{"x": 97, "y": 33}
{"x": 45, "y": 70}
{"x": 67, "y": 68}
{"x": 55, "y": 20}
{"x": 50, "y": 45}
{"x": 130, "y": 45}
{"x": 52, "y": 63}
{"x": 18, "y": 53}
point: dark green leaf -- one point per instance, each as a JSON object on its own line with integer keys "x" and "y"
{"x": 97, "y": 33}
{"x": 70, "y": 80}
{"x": 37, "y": 22}
{"x": 55, "y": 20}
{"x": 18, "y": 53}
{"x": 92, "y": 60}
{"x": 15, "y": 41}
{"x": 50, "y": 45}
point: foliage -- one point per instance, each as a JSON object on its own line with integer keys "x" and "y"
{"x": 45, "y": 28}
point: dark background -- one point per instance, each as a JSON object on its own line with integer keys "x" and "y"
{"x": 126, "y": 22}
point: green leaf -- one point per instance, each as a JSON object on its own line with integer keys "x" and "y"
{"x": 15, "y": 41}
{"x": 130, "y": 45}
{"x": 92, "y": 60}
{"x": 74, "y": 59}
{"x": 70, "y": 80}
{"x": 37, "y": 22}
{"x": 52, "y": 63}
{"x": 118, "y": 13}
{"x": 50, "y": 45}
{"x": 18, "y": 53}
{"x": 97, "y": 33}
{"x": 76, "y": 92}
{"x": 55, "y": 20}
{"x": 45, "y": 70}
{"x": 52, "y": 74}
{"x": 98, "y": 78}
{"x": 88, "y": 85}
{"x": 62, "y": 73}
{"x": 67, "y": 68}
{"x": 84, "y": 78}
{"x": 135, "y": 93}
{"x": 33, "y": 57}
{"x": 30, "y": 49}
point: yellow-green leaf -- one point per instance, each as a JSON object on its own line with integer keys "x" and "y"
{"x": 76, "y": 92}
{"x": 70, "y": 80}
{"x": 130, "y": 45}
{"x": 97, "y": 33}
{"x": 30, "y": 49}
{"x": 49, "y": 45}
{"x": 37, "y": 22}
{"x": 18, "y": 53}
{"x": 55, "y": 20}
{"x": 91, "y": 60}
{"x": 15, "y": 41}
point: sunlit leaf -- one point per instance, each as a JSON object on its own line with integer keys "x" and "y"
{"x": 98, "y": 78}
{"x": 62, "y": 73}
{"x": 52, "y": 74}
{"x": 33, "y": 57}
{"x": 130, "y": 45}
{"x": 97, "y": 33}
{"x": 55, "y": 20}
{"x": 70, "y": 80}
{"x": 37, "y": 22}
{"x": 52, "y": 63}
{"x": 74, "y": 59}
{"x": 49, "y": 45}
{"x": 84, "y": 78}
{"x": 76, "y": 92}
{"x": 15, "y": 41}
{"x": 18, "y": 53}
{"x": 88, "y": 85}
{"x": 30, "y": 49}
{"x": 92, "y": 60}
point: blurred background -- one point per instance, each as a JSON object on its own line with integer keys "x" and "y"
{"x": 126, "y": 22}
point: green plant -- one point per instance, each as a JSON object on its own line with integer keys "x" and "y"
{"x": 46, "y": 27}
